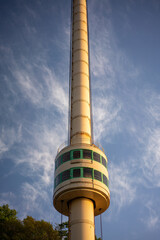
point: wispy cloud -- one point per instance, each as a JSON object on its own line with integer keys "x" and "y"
{"x": 122, "y": 185}
{"x": 44, "y": 90}
{"x": 102, "y": 53}
{"x": 107, "y": 116}
{"x": 33, "y": 196}
{"x": 152, "y": 219}
{"x": 3, "y": 147}
{"x": 8, "y": 137}
{"x": 39, "y": 150}
{"x": 121, "y": 107}
{"x": 151, "y": 158}
{"x": 36, "y": 198}
{"x": 33, "y": 140}
{"x": 147, "y": 136}
{"x": 7, "y": 198}
{"x": 153, "y": 107}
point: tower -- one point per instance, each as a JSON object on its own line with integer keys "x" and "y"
{"x": 81, "y": 177}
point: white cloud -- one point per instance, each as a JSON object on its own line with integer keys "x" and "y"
{"x": 122, "y": 185}
{"x": 8, "y": 137}
{"x": 107, "y": 116}
{"x": 35, "y": 159}
{"x": 152, "y": 219}
{"x": 39, "y": 150}
{"x": 147, "y": 134}
{"x": 151, "y": 158}
{"x": 7, "y": 198}
{"x": 36, "y": 198}
{"x": 153, "y": 106}
{"x": 102, "y": 53}
{"x": 3, "y": 147}
{"x": 36, "y": 140}
{"x": 41, "y": 92}
{"x": 33, "y": 197}
{"x": 33, "y": 194}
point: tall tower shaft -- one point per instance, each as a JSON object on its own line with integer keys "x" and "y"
{"x": 81, "y": 177}
{"x": 80, "y": 131}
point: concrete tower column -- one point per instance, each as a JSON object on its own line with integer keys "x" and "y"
{"x": 82, "y": 219}
{"x": 80, "y": 131}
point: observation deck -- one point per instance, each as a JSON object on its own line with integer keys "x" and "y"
{"x": 81, "y": 171}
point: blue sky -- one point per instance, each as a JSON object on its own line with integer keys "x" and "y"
{"x": 125, "y": 75}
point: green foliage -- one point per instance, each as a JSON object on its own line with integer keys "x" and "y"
{"x": 7, "y": 214}
{"x": 98, "y": 238}
{"x": 63, "y": 230}
{"x": 11, "y": 229}
{"x": 39, "y": 230}
{"x": 29, "y": 229}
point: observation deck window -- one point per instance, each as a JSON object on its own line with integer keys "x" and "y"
{"x": 96, "y": 157}
{"x": 76, "y": 154}
{"x": 87, "y": 154}
{"x": 56, "y": 163}
{"x": 76, "y": 172}
{"x": 87, "y": 172}
{"x": 65, "y": 175}
{"x": 81, "y": 173}
{"x": 66, "y": 157}
{"x": 59, "y": 161}
{"x": 97, "y": 175}
{"x": 58, "y": 180}
{"x": 105, "y": 180}
{"x": 104, "y": 162}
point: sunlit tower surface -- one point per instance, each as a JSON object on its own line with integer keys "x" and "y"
{"x": 81, "y": 177}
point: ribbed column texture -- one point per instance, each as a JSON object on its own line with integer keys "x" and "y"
{"x": 80, "y": 131}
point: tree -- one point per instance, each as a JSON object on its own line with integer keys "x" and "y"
{"x": 7, "y": 214}
{"x": 98, "y": 238}
{"x": 11, "y": 228}
{"x": 39, "y": 230}
{"x": 63, "y": 230}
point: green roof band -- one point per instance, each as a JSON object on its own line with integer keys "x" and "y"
{"x": 80, "y": 154}
{"x": 81, "y": 172}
